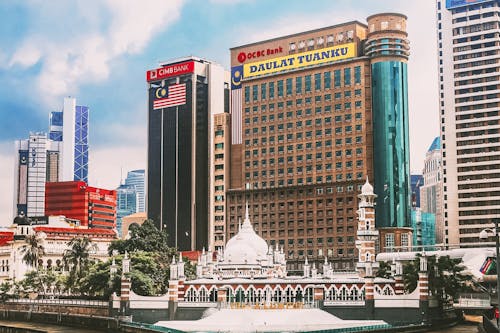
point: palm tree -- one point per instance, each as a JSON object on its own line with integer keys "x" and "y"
{"x": 33, "y": 250}
{"x": 77, "y": 257}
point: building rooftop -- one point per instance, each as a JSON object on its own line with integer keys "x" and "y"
{"x": 435, "y": 145}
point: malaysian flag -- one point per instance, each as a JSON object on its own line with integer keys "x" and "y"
{"x": 174, "y": 95}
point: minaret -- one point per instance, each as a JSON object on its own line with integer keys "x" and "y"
{"x": 367, "y": 234}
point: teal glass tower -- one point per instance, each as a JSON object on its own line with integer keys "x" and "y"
{"x": 387, "y": 46}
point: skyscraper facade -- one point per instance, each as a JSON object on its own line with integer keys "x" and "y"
{"x": 71, "y": 127}
{"x": 431, "y": 193}
{"x": 469, "y": 84}
{"x": 185, "y": 97}
{"x": 126, "y": 203}
{"x": 136, "y": 179}
{"x": 93, "y": 207}
{"x": 306, "y": 112}
{"x": 37, "y": 161}
{"x": 62, "y": 155}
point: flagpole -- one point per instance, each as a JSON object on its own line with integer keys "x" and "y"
{"x": 176, "y": 174}
{"x": 161, "y": 173}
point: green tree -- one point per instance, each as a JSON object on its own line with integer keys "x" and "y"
{"x": 384, "y": 270}
{"x": 77, "y": 257}
{"x": 33, "y": 250}
{"x": 447, "y": 276}
{"x": 5, "y": 291}
{"x": 99, "y": 282}
{"x": 148, "y": 274}
{"x": 145, "y": 237}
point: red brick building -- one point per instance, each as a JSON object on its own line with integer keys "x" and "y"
{"x": 93, "y": 207}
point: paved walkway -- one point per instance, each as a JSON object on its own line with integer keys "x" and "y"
{"x": 46, "y": 327}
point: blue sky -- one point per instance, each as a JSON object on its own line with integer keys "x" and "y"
{"x": 99, "y": 51}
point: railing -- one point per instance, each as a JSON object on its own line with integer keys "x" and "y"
{"x": 58, "y": 301}
{"x": 475, "y": 300}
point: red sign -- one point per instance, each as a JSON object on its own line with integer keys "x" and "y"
{"x": 169, "y": 71}
{"x": 243, "y": 56}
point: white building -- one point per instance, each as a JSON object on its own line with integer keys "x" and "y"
{"x": 60, "y": 155}
{"x": 431, "y": 193}
{"x": 55, "y": 237}
{"x": 37, "y": 161}
{"x": 468, "y": 60}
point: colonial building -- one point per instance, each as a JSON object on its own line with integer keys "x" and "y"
{"x": 54, "y": 238}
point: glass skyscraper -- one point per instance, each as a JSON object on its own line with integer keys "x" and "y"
{"x": 391, "y": 165}
{"x": 71, "y": 127}
{"x": 126, "y": 203}
{"x": 135, "y": 178}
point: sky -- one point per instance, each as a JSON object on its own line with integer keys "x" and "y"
{"x": 98, "y": 51}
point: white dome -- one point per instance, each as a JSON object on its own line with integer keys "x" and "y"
{"x": 246, "y": 247}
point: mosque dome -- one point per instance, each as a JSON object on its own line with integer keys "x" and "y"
{"x": 246, "y": 247}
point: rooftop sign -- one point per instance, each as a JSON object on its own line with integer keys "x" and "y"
{"x": 299, "y": 60}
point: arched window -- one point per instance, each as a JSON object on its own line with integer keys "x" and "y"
{"x": 190, "y": 295}
{"x": 288, "y": 294}
{"x": 203, "y": 295}
{"x": 388, "y": 290}
{"x": 309, "y": 292}
{"x": 343, "y": 293}
{"x": 240, "y": 295}
{"x": 251, "y": 295}
{"x": 213, "y": 295}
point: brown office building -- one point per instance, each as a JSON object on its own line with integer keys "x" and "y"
{"x": 302, "y": 139}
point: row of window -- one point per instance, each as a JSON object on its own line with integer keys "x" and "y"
{"x": 302, "y": 84}
{"x": 299, "y": 123}
{"x": 348, "y": 129}
{"x": 299, "y": 158}
{"x": 281, "y": 149}
{"x": 300, "y": 113}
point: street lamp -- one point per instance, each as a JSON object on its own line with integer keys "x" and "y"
{"x": 483, "y": 235}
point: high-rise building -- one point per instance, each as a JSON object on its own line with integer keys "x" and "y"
{"x": 126, "y": 203}
{"x": 185, "y": 189}
{"x": 60, "y": 156}
{"x": 307, "y": 110}
{"x": 469, "y": 85}
{"x": 93, "y": 207}
{"x": 136, "y": 179}
{"x": 71, "y": 127}
{"x": 416, "y": 181}
{"x": 37, "y": 161}
{"x": 431, "y": 193}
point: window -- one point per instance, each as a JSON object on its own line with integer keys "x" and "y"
{"x": 308, "y": 83}
{"x": 327, "y": 80}
{"x": 288, "y": 86}
{"x": 280, "y": 88}
{"x": 263, "y": 90}
{"x": 357, "y": 75}
{"x": 317, "y": 81}
{"x": 255, "y": 92}
{"x": 298, "y": 86}
{"x": 336, "y": 78}
{"x": 347, "y": 76}
{"x": 405, "y": 240}
{"x": 389, "y": 240}
{"x": 247, "y": 94}
{"x": 271, "y": 92}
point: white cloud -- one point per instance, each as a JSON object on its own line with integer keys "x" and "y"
{"x": 105, "y": 164}
{"x": 86, "y": 55}
{"x": 26, "y": 56}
